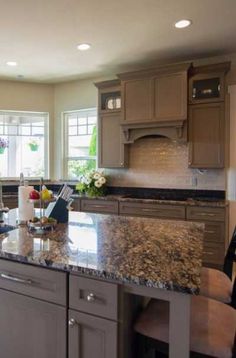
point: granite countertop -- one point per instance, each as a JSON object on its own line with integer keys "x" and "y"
{"x": 155, "y": 253}
{"x": 184, "y": 202}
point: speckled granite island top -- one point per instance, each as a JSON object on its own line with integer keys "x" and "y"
{"x": 155, "y": 253}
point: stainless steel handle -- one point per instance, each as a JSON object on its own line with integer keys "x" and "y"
{"x": 150, "y": 210}
{"x": 16, "y": 279}
{"x": 72, "y": 322}
{"x": 91, "y": 297}
{"x": 98, "y": 206}
{"x": 209, "y": 232}
{"x": 207, "y": 214}
{"x": 209, "y": 253}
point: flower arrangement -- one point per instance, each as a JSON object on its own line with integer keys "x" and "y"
{"x": 92, "y": 183}
{"x": 3, "y": 144}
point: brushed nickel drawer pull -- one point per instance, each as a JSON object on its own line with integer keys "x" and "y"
{"x": 91, "y": 297}
{"x": 210, "y": 232}
{"x": 207, "y": 214}
{"x": 16, "y": 279}
{"x": 209, "y": 253}
{"x": 150, "y": 210}
{"x": 98, "y": 206}
{"x": 72, "y": 322}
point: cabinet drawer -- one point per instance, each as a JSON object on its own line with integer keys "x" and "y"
{"x": 213, "y": 253}
{"x": 33, "y": 281}
{"x": 154, "y": 210}
{"x": 93, "y": 296}
{"x": 203, "y": 213}
{"x": 214, "y": 232}
{"x": 76, "y": 205}
{"x": 99, "y": 206}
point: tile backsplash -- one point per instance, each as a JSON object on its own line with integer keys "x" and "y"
{"x": 163, "y": 163}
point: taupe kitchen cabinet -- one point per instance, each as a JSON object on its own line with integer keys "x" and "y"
{"x": 206, "y": 135}
{"x": 100, "y": 206}
{"x": 31, "y": 327}
{"x": 94, "y": 331}
{"x": 76, "y": 204}
{"x": 111, "y": 148}
{"x": 215, "y": 233}
{"x": 112, "y": 152}
{"x": 158, "y": 94}
{"x": 207, "y": 83}
{"x": 10, "y": 201}
{"x": 207, "y": 116}
{"x": 164, "y": 211}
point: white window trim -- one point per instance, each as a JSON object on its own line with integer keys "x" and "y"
{"x": 64, "y": 133}
{"x": 44, "y": 115}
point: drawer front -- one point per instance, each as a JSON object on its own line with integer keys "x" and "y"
{"x": 99, "y": 206}
{"x": 93, "y": 296}
{"x": 33, "y": 281}
{"x": 204, "y": 213}
{"x": 11, "y": 202}
{"x": 213, "y": 253}
{"x": 76, "y": 204}
{"x": 153, "y": 210}
{"x": 214, "y": 232}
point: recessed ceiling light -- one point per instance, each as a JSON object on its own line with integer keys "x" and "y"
{"x": 83, "y": 47}
{"x": 181, "y": 24}
{"x": 11, "y": 63}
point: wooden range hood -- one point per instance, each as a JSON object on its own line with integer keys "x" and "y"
{"x": 155, "y": 102}
{"x": 174, "y": 130}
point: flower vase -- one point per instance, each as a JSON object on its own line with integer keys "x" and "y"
{"x": 33, "y": 147}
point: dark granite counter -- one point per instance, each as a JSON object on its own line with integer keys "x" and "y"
{"x": 155, "y": 253}
{"x": 184, "y": 202}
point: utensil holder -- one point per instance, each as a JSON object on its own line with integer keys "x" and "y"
{"x": 58, "y": 210}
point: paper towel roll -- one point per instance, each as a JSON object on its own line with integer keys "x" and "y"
{"x": 26, "y": 209}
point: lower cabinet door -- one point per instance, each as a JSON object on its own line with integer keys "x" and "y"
{"x": 30, "y": 328}
{"x": 90, "y": 336}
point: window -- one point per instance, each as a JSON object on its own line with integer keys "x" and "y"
{"x": 80, "y": 142}
{"x": 25, "y": 135}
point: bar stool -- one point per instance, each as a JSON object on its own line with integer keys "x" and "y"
{"x": 217, "y": 284}
{"x": 212, "y": 328}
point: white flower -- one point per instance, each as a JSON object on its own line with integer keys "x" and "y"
{"x": 102, "y": 180}
{"x": 96, "y": 175}
{"x": 97, "y": 184}
{"x": 87, "y": 180}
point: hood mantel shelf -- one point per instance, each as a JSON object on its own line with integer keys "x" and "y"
{"x": 170, "y": 129}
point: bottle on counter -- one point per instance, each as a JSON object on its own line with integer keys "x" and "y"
{"x": 25, "y": 207}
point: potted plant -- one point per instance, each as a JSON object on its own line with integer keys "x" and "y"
{"x": 3, "y": 144}
{"x": 34, "y": 145}
{"x": 93, "y": 184}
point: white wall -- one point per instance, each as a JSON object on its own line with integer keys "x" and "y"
{"x": 23, "y": 96}
{"x": 70, "y": 96}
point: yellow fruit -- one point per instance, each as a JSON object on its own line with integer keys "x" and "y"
{"x": 45, "y": 194}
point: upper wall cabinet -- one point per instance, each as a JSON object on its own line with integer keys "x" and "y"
{"x": 206, "y": 129}
{"x": 206, "y": 135}
{"x": 156, "y": 95}
{"x": 112, "y": 152}
{"x": 207, "y": 83}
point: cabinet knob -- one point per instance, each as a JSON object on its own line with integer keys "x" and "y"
{"x": 91, "y": 297}
{"x": 121, "y": 163}
{"x": 72, "y": 322}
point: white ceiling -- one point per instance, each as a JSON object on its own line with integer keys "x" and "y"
{"x": 42, "y": 35}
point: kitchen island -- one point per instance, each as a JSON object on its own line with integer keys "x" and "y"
{"x": 138, "y": 256}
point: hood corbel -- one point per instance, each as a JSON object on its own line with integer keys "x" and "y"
{"x": 172, "y": 129}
